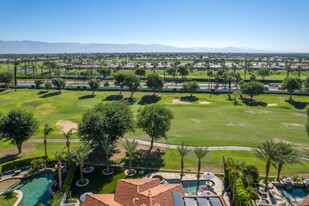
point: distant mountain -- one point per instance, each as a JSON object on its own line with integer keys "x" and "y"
{"x": 32, "y": 47}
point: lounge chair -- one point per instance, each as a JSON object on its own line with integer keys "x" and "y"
{"x": 288, "y": 181}
{"x": 306, "y": 182}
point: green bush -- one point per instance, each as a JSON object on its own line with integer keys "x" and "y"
{"x": 242, "y": 196}
{"x": 18, "y": 163}
{"x": 66, "y": 186}
{"x": 37, "y": 164}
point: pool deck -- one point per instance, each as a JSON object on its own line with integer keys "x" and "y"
{"x": 218, "y": 188}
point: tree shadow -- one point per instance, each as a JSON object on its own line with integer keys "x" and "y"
{"x": 88, "y": 96}
{"x": 50, "y": 95}
{"x": 9, "y": 157}
{"x": 131, "y": 101}
{"x": 253, "y": 103}
{"x": 297, "y": 104}
{"x": 41, "y": 92}
{"x": 189, "y": 99}
{"x": 143, "y": 158}
{"x": 113, "y": 97}
{"x": 149, "y": 99}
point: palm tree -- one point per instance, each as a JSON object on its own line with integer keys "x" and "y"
{"x": 47, "y": 130}
{"x": 229, "y": 78}
{"x": 286, "y": 156}
{"x": 80, "y": 155}
{"x": 200, "y": 152}
{"x": 15, "y": 75}
{"x": 209, "y": 74}
{"x": 67, "y": 136}
{"x": 267, "y": 151}
{"x": 108, "y": 147}
{"x": 288, "y": 68}
{"x": 183, "y": 151}
{"x": 59, "y": 157}
{"x": 130, "y": 148}
{"x": 236, "y": 168}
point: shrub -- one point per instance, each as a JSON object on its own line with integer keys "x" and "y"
{"x": 18, "y": 163}
{"x": 106, "y": 84}
{"x": 38, "y": 83}
{"x": 242, "y": 196}
{"x": 37, "y": 164}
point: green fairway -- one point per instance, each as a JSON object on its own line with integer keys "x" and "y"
{"x": 217, "y": 123}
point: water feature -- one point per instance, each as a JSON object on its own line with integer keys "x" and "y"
{"x": 35, "y": 189}
{"x": 189, "y": 186}
{"x": 293, "y": 192}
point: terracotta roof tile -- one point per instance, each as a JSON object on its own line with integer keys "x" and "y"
{"x": 138, "y": 181}
{"x": 101, "y": 200}
{"x": 159, "y": 189}
{"x": 305, "y": 202}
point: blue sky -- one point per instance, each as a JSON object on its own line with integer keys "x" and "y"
{"x": 275, "y": 25}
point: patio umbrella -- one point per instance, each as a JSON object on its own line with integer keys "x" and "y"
{"x": 208, "y": 175}
{"x": 83, "y": 196}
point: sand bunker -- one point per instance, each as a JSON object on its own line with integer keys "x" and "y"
{"x": 205, "y": 102}
{"x": 272, "y": 104}
{"x": 233, "y": 124}
{"x": 196, "y": 120}
{"x": 258, "y": 112}
{"x": 178, "y": 101}
{"x": 287, "y": 125}
{"x": 67, "y": 125}
{"x": 300, "y": 114}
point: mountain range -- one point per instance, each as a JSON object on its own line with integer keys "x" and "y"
{"x": 33, "y": 47}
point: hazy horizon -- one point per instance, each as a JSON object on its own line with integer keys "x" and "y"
{"x": 275, "y": 26}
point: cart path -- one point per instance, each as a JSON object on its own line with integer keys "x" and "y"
{"x": 156, "y": 144}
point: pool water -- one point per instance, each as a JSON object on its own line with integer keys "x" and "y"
{"x": 294, "y": 192}
{"x": 189, "y": 186}
{"x": 35, "y": 189}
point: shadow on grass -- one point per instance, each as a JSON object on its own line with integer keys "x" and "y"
{"x": 144, "y": 159}
{"x": 9, "y": 195}
{"x": 253, "y": 103}
{"x": 130, "y": 100}
{"x": 113, "y": 97}
{"x": 50, "y": 95}
{"x": 41, "y": 92}
{"x": 9, "y": 157}
{"x": 189, "y": 99}
{"x": 5, "y": 91}
{"x": 88, "y": 96}
{"x": 297, "y": 104}
{"x": 149, "y": 99}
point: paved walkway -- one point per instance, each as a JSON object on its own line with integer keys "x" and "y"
{"x": 162, "y": 145}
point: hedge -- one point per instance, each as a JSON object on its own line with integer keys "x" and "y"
{"x": 17, "y": 163}
{"x": 66, "y": 186}
{"x": 242, "y": 197}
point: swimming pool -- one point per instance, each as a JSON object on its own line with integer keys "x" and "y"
{"x": 293, "y": 192}
{"x": 35, "y": 189}
{"x": 189, "y": 186}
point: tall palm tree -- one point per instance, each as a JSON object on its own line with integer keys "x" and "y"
{"x": 267, "y": 151}
{"x": 236, "y": 168}
{"x": 47, "y": 130}
{"x": 130, "y": 148}
{"x": 67, "y": 136}
{"x": 288, "y": 68}
{"x": 15, "y": 75}
{"x": 200, "y": 152}
{"x": 108, "y": 147}
{"x": 286, "y": 156}
{"x": 183, "y": 151}
{"x": 229, "y": 79}
{"x": 59, "y": 157}
{"x": 80, "y": 155}
{"x": 209, "y": 74}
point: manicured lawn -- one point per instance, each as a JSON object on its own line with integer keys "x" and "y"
{"x": 8, "y": 199}
{"x": 217, "y": 123}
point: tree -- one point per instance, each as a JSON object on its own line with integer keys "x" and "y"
{"x": 229, "y": 79}
{"x": 47, "y": 130}
{"x": 307, "y": 125}
{"x": 15, "y": 75}
{"x": 106, "y": 121}
{"x": 48, "y": 86}
{"x": 120, "y": 81}
{"x": 38, "y": 83}
{"x": 172, "y": 71}
{"x": 67, "y": 136}
{"x": 132, "y": 82}
{"x": 306, "y": 83}
{"x": 236, "y": 168}
{"x": 130, "y": 148}
{"x": 252, "y": 77}
{"x": 291, "y": 84}
{"x": 252, "y": 88}
{"x": 237, "y": 78}
{"x": 183, "y": 71}
{"x": 285, "y": 156}
{"x": 6, "y": 78}
{"x": 263, "y": 72}
{"x": 183, "y": 151}
{"x": 154, "y": 82}
{"x": 80, "y": 155}
{"x": 108, "y": 147}
{"x": 18, "y": 126}
{"x": 267, "y": 151}
{"x": 140, "y": 72}
{"x": 59, "y": 83}
{"x": 94, "y": 84}
{"x": 191, "y": 87}
{"x": 105, "y": 72}
{"x": 209, "y": 74}
{"x": 59, "y": 157}
{"x": 200, "y": 152}
{"x": 155, "y": 120}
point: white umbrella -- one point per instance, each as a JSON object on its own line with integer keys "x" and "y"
{"x": 83, "y": 196}
{"x": 208, "y": 175}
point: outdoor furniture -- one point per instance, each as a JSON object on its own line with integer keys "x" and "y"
{"x": 16, "y": 172}
{"x": 215, "y": 201}
{"x": 177, "y": 197}
{"x": 202, "y": 201}
{"x": 189, "y": 201}
{"x": 288, "y": 181}
{"x": 208, "y": 175}
{"x": 306, "y": 182}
